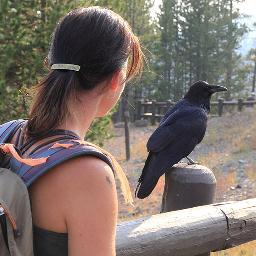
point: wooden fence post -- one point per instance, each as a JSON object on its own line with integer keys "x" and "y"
{"x": 145, "y": 109}
{"x": 139, "y": 108}
{"x": 188, "y": 186}
{"x": 220, "y": 106}
{"x": 127, "y": 135}
{"x": 153, "y": 117}
{"x": 240, "y": 105}
{"x": 168, "y": 104}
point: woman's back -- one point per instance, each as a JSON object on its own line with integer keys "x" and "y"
{"x": 50, "y": 208}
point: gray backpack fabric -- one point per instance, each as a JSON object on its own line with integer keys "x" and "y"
{"x": 16, "y": 235}
{"x": 15, "y": 216}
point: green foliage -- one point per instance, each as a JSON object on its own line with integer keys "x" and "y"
{"x": 13, "y": 104}
{"x": 100, "y": 130}
{"x": 190, "y": 40}
{"x": 25, "y": 31}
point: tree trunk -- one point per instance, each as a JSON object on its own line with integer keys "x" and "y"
{"x": 254, "y": 77}
{"x": 230, "y": 55}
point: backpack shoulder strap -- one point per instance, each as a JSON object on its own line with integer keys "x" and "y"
{"x": 9, "y": 128}
{"x": 56, "y": 156}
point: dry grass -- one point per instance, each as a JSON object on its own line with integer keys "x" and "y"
{"x": 248, "y": 249}
{"x": 139, "y": 150}
{"x": 213, "y": 158}
{"x": 251, "y": 171}
{"x": 227, "y": 180}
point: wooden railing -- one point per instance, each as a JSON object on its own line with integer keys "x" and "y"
{"x": 189, "y": 224}
{"x": 154, "y": 110}
{"x": 189, "y": 232}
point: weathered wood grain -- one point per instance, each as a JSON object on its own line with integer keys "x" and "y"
{"x": 189, "y": 232}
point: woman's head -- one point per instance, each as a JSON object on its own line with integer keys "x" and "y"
{"x": 96, "y": 39}
{"x": 101, "y": 43}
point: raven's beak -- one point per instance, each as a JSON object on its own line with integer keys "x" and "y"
{"x": 217, "y": 88}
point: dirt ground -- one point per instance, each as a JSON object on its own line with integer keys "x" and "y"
{"x": 228, "y": 149}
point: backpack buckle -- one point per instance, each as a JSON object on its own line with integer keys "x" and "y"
{"x": 4, "y": 211}
{"x": 1, "y": 211}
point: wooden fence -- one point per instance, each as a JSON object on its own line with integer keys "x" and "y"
{"x": 189, "y": 232}
{"x": 154, "y": 110}
{"x": 189, "y": 224}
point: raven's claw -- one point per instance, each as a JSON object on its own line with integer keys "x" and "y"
{"x": 190, "y": 161}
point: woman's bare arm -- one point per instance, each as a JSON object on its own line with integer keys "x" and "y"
{"x": 78, "y": 197}
{"x": 90, "y": 208}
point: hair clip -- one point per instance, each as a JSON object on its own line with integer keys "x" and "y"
{"x": 66, "y": 67}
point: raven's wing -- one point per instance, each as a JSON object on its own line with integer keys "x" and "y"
{"x": 180, "y": 104}
{"x": 163, "y": 135}
{"x": 189, "y": 119}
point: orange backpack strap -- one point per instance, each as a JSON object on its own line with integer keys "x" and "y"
{"x": 55, "y": 156}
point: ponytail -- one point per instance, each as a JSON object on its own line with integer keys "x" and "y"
{"x": 50, "y": 105}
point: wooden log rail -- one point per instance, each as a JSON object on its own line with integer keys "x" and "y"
{"x": 155, "y": 110}
{"x": 189, "y": 232}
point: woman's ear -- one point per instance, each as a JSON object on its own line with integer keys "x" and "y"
{"x": 115, "y": 81}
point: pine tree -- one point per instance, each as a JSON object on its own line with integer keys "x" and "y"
{"x": 165, "y": 65}
{"x": 198, "y": 41}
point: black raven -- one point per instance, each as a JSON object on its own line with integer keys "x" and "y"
{"x": 180, "y": 130}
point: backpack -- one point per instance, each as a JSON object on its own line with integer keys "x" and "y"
{"x": 17, "y": 174}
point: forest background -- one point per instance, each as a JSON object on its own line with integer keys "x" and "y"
{"x": 185, "y": 41}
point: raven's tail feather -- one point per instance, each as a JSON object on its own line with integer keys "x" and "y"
{"x": 149, "y": 176}
{"x": 137, "y": 188}
{"x": 146, "y": 184}
{"x": 144, "y": 188}
{"x": 143, "y": 173}
{"x": 138, "y": 185}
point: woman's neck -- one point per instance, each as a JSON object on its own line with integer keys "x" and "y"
{"x": 81, "y": 115}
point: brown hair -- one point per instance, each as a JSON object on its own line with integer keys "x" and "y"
{"x": 98, "y": 40}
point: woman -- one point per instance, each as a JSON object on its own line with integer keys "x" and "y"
{"x": 74, "y": 206}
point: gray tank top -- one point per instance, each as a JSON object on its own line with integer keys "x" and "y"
{"x": 49, "y": 243}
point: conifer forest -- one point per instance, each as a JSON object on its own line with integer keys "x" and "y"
{"x": 183, "y": 42}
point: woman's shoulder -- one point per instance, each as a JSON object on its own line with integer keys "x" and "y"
{"x": 87, "y": 180}
{"x": 83, "y": 170}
